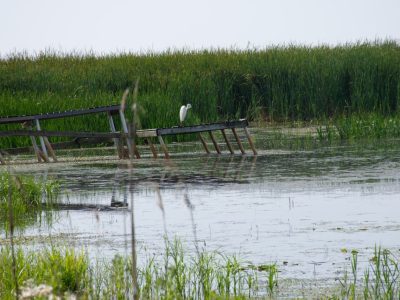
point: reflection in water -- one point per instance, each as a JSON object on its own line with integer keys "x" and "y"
{"x": 297, "y": 208}
{"x": 190, "y": 206}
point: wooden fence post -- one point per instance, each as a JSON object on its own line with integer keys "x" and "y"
{"x": 250, "y": 141}
{"x": 163, "y": 146}
{"x": 42, "y": 144}
{"x": 227, "y": 141}
{"x": 152, "y": 148}
{"x": 116, "y": 141}
{"x": 204, "y": 143}
{"x": 215, "y": 142}
{"x": 238, "y": 141}
{"x": 125, "y": 129}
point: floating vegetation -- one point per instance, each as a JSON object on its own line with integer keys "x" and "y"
{"x": 31, "y": 200}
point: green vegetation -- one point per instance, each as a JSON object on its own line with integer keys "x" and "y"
{"x": 360, "y": 126}
{"x": 174, "y": 275}
{"x": 278, "y": 83}
{"x": 207, "y": 275}
{"x": 29, "y": 199}
{"x": 380, "y": 281}
{"x": 64, "y": 270}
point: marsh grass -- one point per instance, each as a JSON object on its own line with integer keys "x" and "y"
{"x": 174, "y": 275}
{"x": 380, "y": 281}
{"x": 31, "y": 200}
{"x": 276, "y": 84}
{"x": 62, "y": 269}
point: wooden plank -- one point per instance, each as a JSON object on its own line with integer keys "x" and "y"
{"x": 238, "y": 140}
{"x": 62, "y": 134}
{"x": 227, "y": 141}
{"x": 129, "y": 141}
{"x": 116, "y": 140}
{"x": 215, "y": 143}
{"x": 146, "y": 133}
{"x": 163, "y": 146}
{"x": 152, "y": 148}
{"x": 50, "y": 148}
{"x": 139, "y": 133}
{"x": 42, "y": 144}
{"x": 204, "y": 143}
{"x": 57, "y": 115}
{"x": 203, "y": 127}
{"x": 36, "y": 149}
{"x": 77, "y": 134}
{"x": 250, "y": 141}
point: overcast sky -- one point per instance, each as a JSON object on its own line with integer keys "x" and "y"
{"x": 122, "y": 25}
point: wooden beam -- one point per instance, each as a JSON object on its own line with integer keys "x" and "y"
{"x": 57, "y": 115}
{"x": 152, "y": 148}
{"x": 203, "y": 127}
{"x": 163, "y": 146}
{"x": 204, "y": 143}
{"x": 250, "y": 140}
{"x": 129, "y": 141}
{"x": 36, "y": 149}
{"x": 50, "y": 148}
{"x": 214, "y": 142}
{"x": 118, "y": 146}
{"x": 146, "y": 133}
{"x": 42, "y": 144}
{"x": 71, "y": 134}
{"x": 227, "y": 141}
{"x": 238, "y": 140}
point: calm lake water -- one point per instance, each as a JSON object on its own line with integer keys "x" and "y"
{"x": 300, "y": 209}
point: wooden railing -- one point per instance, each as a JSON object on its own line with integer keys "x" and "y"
{"x": 33, "y": 130}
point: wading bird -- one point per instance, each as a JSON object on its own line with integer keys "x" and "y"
{"x": 183, "y": 112}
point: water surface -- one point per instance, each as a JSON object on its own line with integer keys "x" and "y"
{"x": 300, "y": 209}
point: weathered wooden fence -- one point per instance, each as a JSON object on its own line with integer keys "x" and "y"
{"x": 33, "y": 129}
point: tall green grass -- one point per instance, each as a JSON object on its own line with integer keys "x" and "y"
{"x": 177, "y": 275}
{"x": 31, "y": 200}
{"x": 380, "y": 281}
{"x": 278, "y": 83}
{"x": 173, "y": 275}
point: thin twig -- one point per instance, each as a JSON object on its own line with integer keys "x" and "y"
{"x": 132, "y": 134}
{"x": 11, "y": 220}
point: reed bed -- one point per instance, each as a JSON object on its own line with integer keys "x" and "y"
{"x": 174, "y": 275}
{"x": 177, "y": 275}
{"x": 31, "y": 200}
{"x": 277, "y": 83}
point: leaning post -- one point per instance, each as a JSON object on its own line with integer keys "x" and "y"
{"x": 116, "y": 141}
{"x": 152, "y": 148}
{"x": 42, "y": 144}
{"x": 214, "y": 142}
{"x": 163, "y": 146}
{"x": 125, "y": 129}
{"x": 250, "y": 140}
{"x": 204, "y": 143}
{"x": 238, "y": 140}
{"x": 227, "y": 141}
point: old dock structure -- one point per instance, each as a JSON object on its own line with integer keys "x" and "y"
{"x": 124, "y": 140}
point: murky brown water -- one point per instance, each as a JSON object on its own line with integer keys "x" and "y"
{"x": 297, "y": 208}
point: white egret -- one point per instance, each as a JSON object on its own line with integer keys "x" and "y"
{"x": 183, "y": 112}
